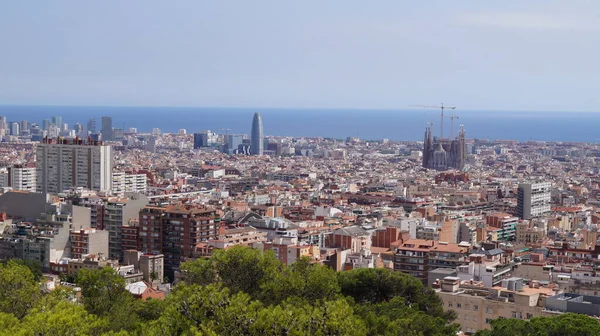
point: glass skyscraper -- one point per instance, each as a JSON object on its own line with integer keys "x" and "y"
{"x": 256, "y": 146}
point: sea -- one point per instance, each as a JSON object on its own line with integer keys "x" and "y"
{"x": 368, "y": 124}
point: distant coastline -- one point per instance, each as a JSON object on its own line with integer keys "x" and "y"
{"x": 370, "y": 124}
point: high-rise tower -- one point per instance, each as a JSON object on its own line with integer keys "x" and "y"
{"x": 256, "y": 146}
{"x": 107, "y": 129}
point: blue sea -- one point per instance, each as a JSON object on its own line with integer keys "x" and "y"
{"x": 336, "y": 123}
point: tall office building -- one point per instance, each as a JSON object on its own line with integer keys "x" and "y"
{"x": 107, "y": 129}
{"x": 14, "y": 129}
{"x": 533, "y": 199}
{"x": 91, "y": 125}
{"x": 233, "y": 142}
{"x": 57, "y": 121}
{"x": 256, "y": 147}
{"x": 46, "y": 124}
{"x": 200, "y": 140}
{"x": 63, "y": 164}
{"x": 24, "y": 126}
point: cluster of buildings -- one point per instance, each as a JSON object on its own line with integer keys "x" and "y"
{"x": 498, "y": 228}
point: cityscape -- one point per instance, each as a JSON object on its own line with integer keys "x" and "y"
{"x": 300, "y": 168}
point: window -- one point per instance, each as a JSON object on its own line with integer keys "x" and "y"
{"x": 475, "y": 307}
{"x": 474, "y": 318}
{"x": 466, "y": 317}
{"x": 458, "y": 305}
{"x": 467, "y": 306}
{"x": 488, "y": 310}
{"x": 529, "y": 315}
{"x": 450, "y": 304}
{"x": 488, "y": 320}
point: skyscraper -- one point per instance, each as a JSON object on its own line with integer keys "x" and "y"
{"x": 256, "y": 147}
{"x": 91, "y": 125}
{"x": 66, "y": 164}
{"x": 107, "y": 129}
{"x": 57, "y": 121}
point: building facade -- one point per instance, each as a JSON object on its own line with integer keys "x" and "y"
{"x": 443, "y": 154}
{"x": 257, "y": 137}
{"x": 533, "y": 199}
{"x": 65, "y": 164}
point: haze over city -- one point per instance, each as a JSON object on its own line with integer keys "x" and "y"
{"x": 509, "y": 55}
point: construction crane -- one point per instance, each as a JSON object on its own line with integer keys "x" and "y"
{"x": 442, "y": 108}
{"x": 452, "y": 117}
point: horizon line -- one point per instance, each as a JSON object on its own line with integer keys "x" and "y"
{"x": 293, "y": 108}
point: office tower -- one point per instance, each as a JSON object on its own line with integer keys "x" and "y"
{"x": 233, "y": 142}
{"x": 46, "y": 124}
{"x": 132, "y": 130}
{"x": 3, "y": 124}
{"x": 64, "y": 164}
{"x": 156, "y": 131}
{"x": 91, "y": 125}
{"x": 24, "y": 126}
{"x": 182, "y": 131}
{"x": 533, "y": 199}
{"x": 78, "y": 128}
{"x": 23, "y": 177}
{"x": 201, "y": 140}
{"x": 443, "y": 154}
{"x": 107, "y": 129}
{"x": 14, "y": 128}
{"x": 256, "y": 147}
{"x": 57, "y": 121}
{"x": 64, "y": 127}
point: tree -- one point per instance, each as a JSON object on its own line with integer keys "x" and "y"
{"x": 562, "y": 325}
{"x": 198, "y": 272}
{"x": 18, "y": 289}
{"x": 243, "y": 269}
{"x": 65, "y": 318}
{"x": 313, "y": 282}
{"x": 376, "y": 285}
{"x": 104, "y": 294}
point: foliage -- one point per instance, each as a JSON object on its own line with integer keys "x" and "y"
{"x": 18, "y": 289}
{"x": 562, "y": 325}
{"x": 242, "y": 291}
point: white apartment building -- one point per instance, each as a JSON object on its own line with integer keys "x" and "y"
{"x": 23, "y": 178}
{"x": 64, "y": 164}
{"x": 124, "y": 182}
{"x": 533, "y": 199}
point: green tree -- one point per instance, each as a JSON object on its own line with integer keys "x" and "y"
{"x": 35, "y": 266}
{"x": 243, "y": 269}
{"x": 104, "y": 294}
{"x": 10, "y": 325}
{"x": 65, "y": 318}
{"x": 313, "y": 282}
{"x": 198, "y": 272}
{"x": 376, "y": 285}
{"x": 562, "y": 325}
{"x": 18, "y": 289}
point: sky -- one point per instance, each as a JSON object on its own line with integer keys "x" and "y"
{"x": 540, "y": 55}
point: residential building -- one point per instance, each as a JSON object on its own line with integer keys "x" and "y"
{"x": 533, "y": 199}
{"x": 65, "y": 164}
{"x": 118, "y": 212}
{"x": 506, "y": 223}
{"x": 88, "y": 241}
{"x": 23, "y": 177}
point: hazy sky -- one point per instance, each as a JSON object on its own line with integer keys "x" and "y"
{"x": 509, "y": 54}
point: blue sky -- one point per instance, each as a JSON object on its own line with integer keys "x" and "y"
{"x": 503, "y": 55}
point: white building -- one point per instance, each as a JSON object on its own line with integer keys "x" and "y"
{"x": 73, "y": 163}
{"x": 23, "y": 178}
{"x": 533, "y": 199}
{"x": 124, "y": 182}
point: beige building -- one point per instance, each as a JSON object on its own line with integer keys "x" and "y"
{"x": 476, "y": 306}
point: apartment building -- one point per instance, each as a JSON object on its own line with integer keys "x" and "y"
{"x": 64, "y": 164}
{"x": 88, "y": 241}
{"x": 129, "y": 183}
{"x": 533, "y": 199}
{"x": 505, "y": 222}
{"x": 476, "y": 305}
{"x": 118, "y": 212}
{"x": 23, "y": 177}
{"x": 417, "y": 257}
